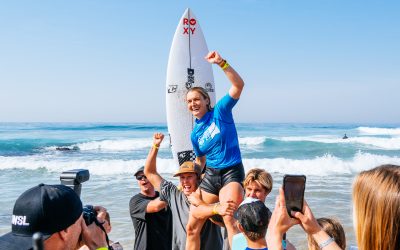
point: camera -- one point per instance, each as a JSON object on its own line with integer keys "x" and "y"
{"x": 89, "y": 214}
{"x": 73, "y": 179}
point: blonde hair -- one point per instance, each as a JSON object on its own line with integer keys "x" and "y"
{"x": 260, "y": 176}
{"x": 376, "y": 197}
{"x": 333, "y": 228}
{"x": 204, "y": 93}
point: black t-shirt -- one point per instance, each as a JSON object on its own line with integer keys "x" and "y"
{"x": 152, "y": 230}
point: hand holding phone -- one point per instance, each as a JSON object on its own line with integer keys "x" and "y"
{"x": 293, "y": 187}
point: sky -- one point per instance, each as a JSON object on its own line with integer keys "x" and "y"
{"x": 308, "y": 61}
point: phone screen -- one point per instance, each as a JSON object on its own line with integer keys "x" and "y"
{"x": 293, "y": 187}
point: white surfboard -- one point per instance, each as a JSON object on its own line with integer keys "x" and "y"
{"x": 187, "y": 68}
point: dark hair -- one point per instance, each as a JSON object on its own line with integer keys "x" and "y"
{"x": 253, "y": 236}
{"x": 204, "y": 93}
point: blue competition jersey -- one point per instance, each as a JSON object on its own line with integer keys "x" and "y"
{"x": 215, "y": 136}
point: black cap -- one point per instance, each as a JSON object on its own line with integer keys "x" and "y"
{"x": 45, "y": 208}
{"x": 253, "y": 215}
{"x": 141, "y": 169}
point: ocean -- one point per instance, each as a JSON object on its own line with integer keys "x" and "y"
{"x": 112, "y": 151}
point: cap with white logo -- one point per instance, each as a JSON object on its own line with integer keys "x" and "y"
{"x": 45, "y": 208}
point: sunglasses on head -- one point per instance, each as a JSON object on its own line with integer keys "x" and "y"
{"x": 141, "y": 177}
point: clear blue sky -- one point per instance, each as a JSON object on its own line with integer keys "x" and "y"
{"x": 105, "y": 61}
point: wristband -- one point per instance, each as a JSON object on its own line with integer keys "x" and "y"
{"x": 102, "y": 248}
{"x": 226, "y": 65}
{"x": 214, "y": 211}
{"x": 325, "y": 243}
{"x": 155, "y": 146}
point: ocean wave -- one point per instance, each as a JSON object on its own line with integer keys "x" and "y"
{"x": 379, "y": 131}
{"x": 319, "y": 166}
{"x": 110, "y": 145}
{"x": 252, "y": 141}
{"x": 137, "y": 144}
{"x": 90, "y": 127}
{"x": 374, "y": 142}
{"x": 99, "y": 167}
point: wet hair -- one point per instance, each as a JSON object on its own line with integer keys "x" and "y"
{"x": 376, "y": 211}
{"x": 204, "y": 93}
{"x": 333, "y": 228}
{"x": 260, "y": 176}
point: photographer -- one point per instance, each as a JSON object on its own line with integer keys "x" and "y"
{"x": 56, "y": 212}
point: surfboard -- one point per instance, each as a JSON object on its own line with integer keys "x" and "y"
{"x": 186, "y": 69}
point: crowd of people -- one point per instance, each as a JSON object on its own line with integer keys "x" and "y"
{"x": 215, "y": 204}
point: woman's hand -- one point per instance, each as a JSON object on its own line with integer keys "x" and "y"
{"x": 307, "y": 220}
{"x": 279, "y": 223}
{"x": 226, "y": 208}
{"x": 214, "y": 57}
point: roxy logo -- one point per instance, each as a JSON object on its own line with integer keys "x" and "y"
{"x": 19, "y": 220}
{"x": 189, "y": 22}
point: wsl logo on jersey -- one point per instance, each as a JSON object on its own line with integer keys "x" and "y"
{"x": 209, "y": 134}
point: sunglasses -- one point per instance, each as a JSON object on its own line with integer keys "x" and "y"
{"x": 141, "y": 177}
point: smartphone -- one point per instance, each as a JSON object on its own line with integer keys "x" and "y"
{"x": 293, "y": 187}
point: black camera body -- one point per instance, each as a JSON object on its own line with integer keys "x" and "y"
{"x": 89, "y": 214}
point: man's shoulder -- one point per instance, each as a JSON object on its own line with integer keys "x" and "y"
{"x": 137, "y": 197}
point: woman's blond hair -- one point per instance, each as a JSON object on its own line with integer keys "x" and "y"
{"x": 333, "y": 228}
{"x": 260, "y": 176}
{"x": 376, "y": 197}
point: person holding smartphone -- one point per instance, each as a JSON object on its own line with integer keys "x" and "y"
{"x": 280, "y": 223}
{"x": 216, "y": 145}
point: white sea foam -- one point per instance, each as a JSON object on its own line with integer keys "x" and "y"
{"x": 137, "y": 144}
{"x": 114, "y": 145}
{"x": 372, "y": 142}
{"x": 252, "y": 141}
{"x": 324, "y": 165}
{"x": 378, "y": 131}
{"x": 100, "y": 167}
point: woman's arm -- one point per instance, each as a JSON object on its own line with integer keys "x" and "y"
{"x": 235, "y": 79}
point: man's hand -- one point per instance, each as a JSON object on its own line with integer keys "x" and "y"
{"x": 195, "y": 199}
{"x": 92, "y": 235}
{"x": 157, "y": 139}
